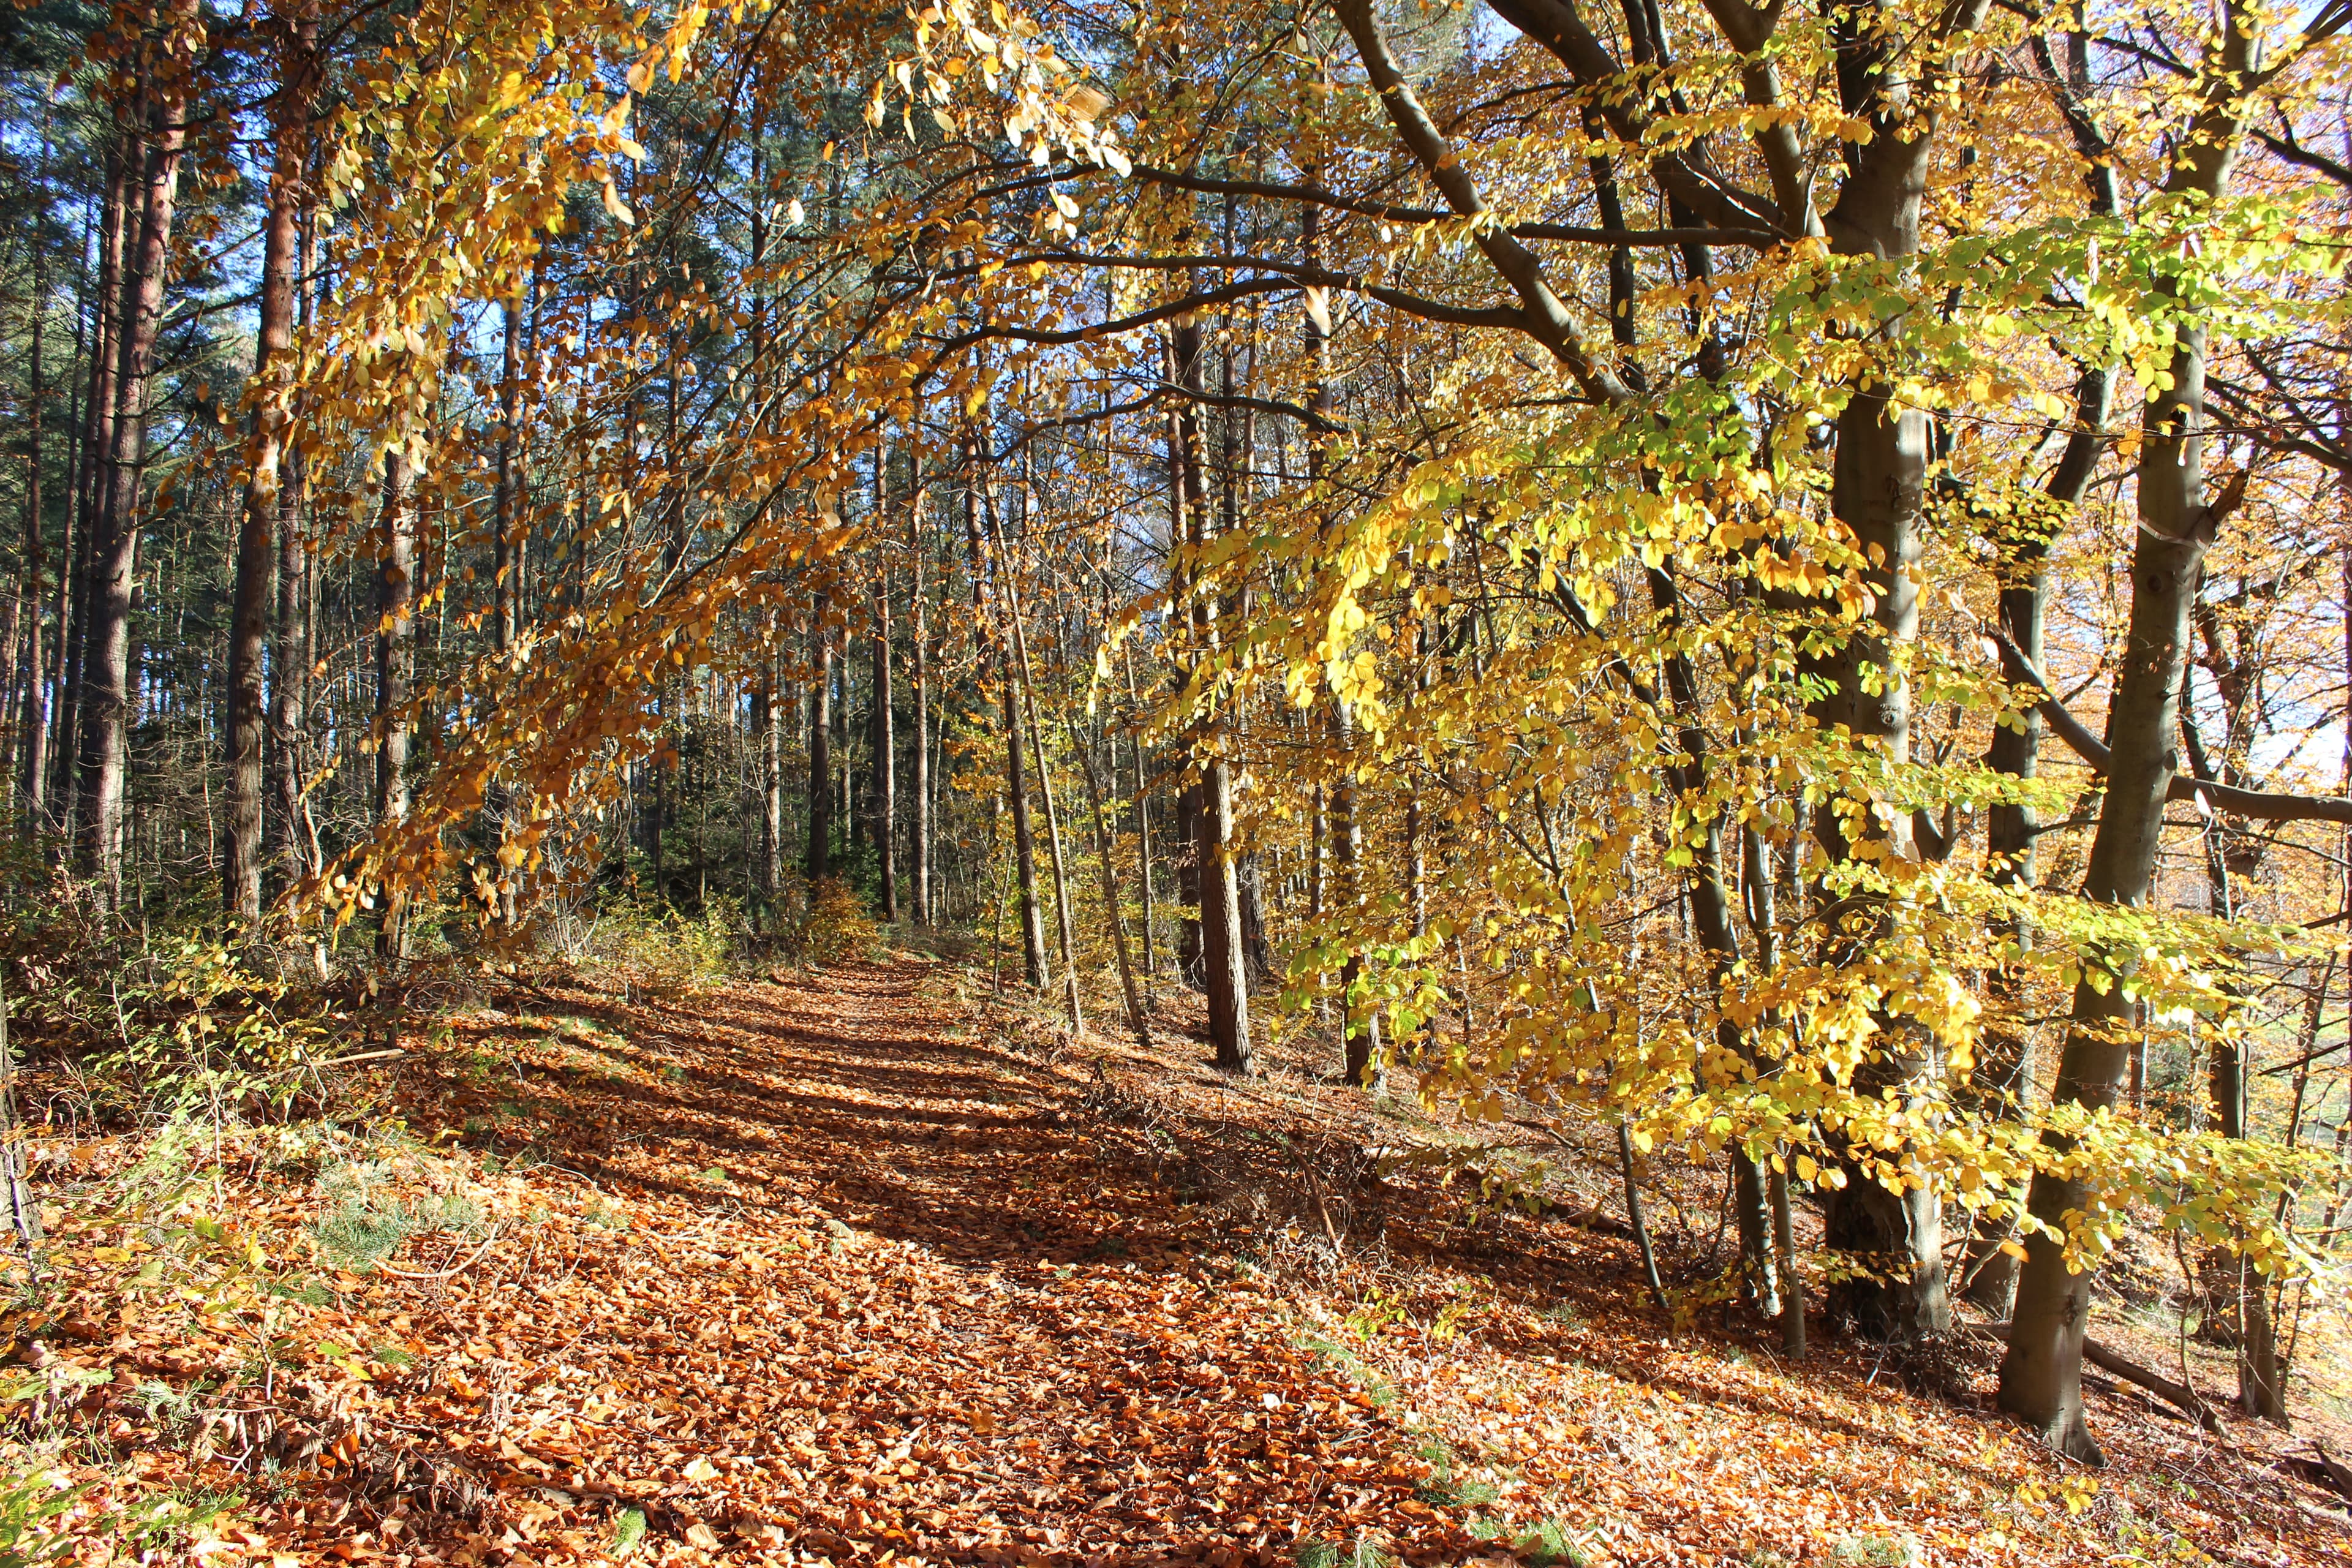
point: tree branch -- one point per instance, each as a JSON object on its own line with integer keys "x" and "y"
{"x": 2260, "y": 806}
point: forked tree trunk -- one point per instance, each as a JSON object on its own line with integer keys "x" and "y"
{"x": 1113, "y": 906}
{"x": 91, "y": 483}
{"x": 1225, "y": 975}
{"x": 1027, "y": 683}
{"x": 2042, "y": 1375}
{"x": 114, "y": 552}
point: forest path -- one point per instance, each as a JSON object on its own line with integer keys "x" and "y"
{"x": 864, "y": 1265}
{"x": 878, "y": 1295}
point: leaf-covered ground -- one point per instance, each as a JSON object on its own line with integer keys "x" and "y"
{"x": 862, "y": 1267}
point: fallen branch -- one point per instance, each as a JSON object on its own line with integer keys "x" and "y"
{"x": 2115, "y": 1363}
{"x": 446, "y": 1273}
{"x": 2335, "y": 1474}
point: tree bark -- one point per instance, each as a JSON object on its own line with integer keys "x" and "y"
{"x": 771, "y": 773}
{"x": 819, "y": 862}
{"x": 1225, "y": 975}
{"x": 90, "y": 485}
{"x": 883, "y": 787}
{"x": 1113, "y": 906}
{"x": 919, "y": 650}
{"x": 2041, "y": 1376}
{"x": 396, "y": 598}
{"x": 115, "y": 553}
{"x": 33, "y": 762}
{"x": 247, "y": 725}
{"x": 1028, "y": 689}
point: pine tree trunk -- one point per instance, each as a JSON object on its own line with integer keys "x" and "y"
{"x": 90, "y": 484}
{"x": 819, "y": 863}
{"x": 34, "y": 734}
{"x": 920, "y": 649}
{"x": 246, "y": 726}
{"x": 115, "y": 553}
{"x": 883, "y": 746}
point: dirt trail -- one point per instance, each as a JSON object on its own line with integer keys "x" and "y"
{"x": 813, "y": 1272}
{"x": 903, "y": 1310}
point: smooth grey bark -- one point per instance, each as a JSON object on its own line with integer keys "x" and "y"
{"x": 2041, "y": 1375}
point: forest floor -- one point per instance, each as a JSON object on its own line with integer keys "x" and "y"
{"x": 864, "y": 1265}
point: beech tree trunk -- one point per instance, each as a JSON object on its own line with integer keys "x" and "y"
{"x": 2004, "y": 1065}
{"x": 2041, "y": 1374}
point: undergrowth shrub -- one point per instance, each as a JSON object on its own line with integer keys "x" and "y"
{"x": 32, "y": 1502}
{"x": 838, "y": 927}
{"x": 681, "y": 949}
{"x": 362, "y": 1229}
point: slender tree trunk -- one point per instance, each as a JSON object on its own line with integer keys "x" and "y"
{"x": 1113, "y": 905}
{"x": 396, "y": 598}
{"x": 771, "y": 773}
{"x": 919, "y": 649}
{"x": 114, "y": 555}
{"x": 34, "y": 759}
{"x": 1225, "y": 974}
{"x": 506, "y": 574}
{"x": 247, "y": 729}
{"x": 1359, "y": 1021}
{"x": 884, "y": 742}
{"x": 1026, "y": 680}
{"x": 1142, "y": 824}
{"x": 819, "y": 863}
{"x": 1017, "y": 772}
{"x": 90, "y": 496}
